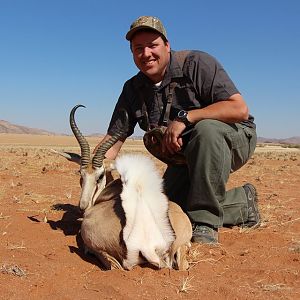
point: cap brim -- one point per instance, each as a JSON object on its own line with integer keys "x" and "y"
{"x": 131, "y": 32}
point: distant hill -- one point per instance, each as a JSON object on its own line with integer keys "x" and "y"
{"x": 292, "y": 140}
{"x": 7, "y": 127}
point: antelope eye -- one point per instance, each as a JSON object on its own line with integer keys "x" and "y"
{"x": 100, "y": 177}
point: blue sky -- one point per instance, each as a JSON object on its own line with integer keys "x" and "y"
{"x": 55, "y": 54}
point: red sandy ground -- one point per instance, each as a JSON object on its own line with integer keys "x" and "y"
{"x": 41, "y": 256}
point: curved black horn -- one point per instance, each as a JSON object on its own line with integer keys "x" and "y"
{"x": 101, "y": 151}
{"x": 84, "y": 146}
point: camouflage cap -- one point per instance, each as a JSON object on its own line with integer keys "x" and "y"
{"x": 146, "y": 22}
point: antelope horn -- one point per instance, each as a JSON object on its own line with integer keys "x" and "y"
{"x": 101, "y": 151}
{"x": 84, "y": 146}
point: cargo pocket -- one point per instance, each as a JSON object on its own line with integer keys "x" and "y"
{"x": 251, "y": 135}
{"x": 243, "y": 142}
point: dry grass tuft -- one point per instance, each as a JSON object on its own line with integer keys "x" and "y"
{"x": 274, "y": 287}
{"x": 15, "y": 247}
{"x": 196, "y": 255}
{"x": 185, "y": 285}
{"x": 12, "y": 270}
{"x": 3, "y": 217}
{"x": 295, "y": 248}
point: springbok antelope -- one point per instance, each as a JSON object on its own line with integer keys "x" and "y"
{"x": 108, "y": 229}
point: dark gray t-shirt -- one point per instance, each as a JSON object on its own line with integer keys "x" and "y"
{"x": 200, "y": 82}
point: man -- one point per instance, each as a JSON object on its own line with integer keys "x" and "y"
{"x": 207, "y": 121}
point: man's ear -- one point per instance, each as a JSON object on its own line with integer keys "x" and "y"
{"x": 167, "y": 43}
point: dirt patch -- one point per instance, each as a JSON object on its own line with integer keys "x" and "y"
{"x": 41, "y": 255}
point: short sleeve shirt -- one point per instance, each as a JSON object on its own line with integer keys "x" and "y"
{"x": 200, "y": 82}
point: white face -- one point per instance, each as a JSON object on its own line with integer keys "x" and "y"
{"x": 92, "y": 182}
{"x": 151, "y": 54}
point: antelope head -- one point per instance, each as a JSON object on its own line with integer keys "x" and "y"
{"x": 92, "y": 169}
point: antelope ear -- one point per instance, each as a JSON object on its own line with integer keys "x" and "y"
{"x": 74, "y": 157}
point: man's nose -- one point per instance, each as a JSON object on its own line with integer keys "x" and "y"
{"x": 147, "y": 52}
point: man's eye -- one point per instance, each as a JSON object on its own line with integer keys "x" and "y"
{"x": 139, "y": 49}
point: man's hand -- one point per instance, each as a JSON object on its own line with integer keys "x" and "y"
{"x": 172, "y": 141}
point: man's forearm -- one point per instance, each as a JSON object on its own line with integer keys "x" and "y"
{"x": 232, "y": 110}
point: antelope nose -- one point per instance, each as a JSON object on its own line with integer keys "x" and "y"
{"x": 82, "y": 206}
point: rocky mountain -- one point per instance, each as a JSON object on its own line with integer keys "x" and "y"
{"x": 7, "y": 127}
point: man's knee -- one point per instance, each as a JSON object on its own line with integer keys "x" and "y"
{"x": 209, "y": 130}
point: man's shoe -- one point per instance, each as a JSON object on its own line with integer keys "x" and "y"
{"x": 204, "y": 234}
{"x": 253, "y": 213}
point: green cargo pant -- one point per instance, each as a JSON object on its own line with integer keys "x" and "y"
{"x": 213, "y": 151}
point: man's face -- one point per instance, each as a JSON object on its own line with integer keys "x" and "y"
{"x": 151, "y": 54}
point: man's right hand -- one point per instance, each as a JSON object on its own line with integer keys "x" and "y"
{"x": 172, "y": 141}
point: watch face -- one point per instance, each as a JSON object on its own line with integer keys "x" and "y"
{"x": 182, "y": 117}
{"x": 182, "y": 114}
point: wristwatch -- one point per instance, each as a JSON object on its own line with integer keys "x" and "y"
{"x": 182, "y": 117}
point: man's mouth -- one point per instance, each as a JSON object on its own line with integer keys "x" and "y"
{"x": 149, "y": 63}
